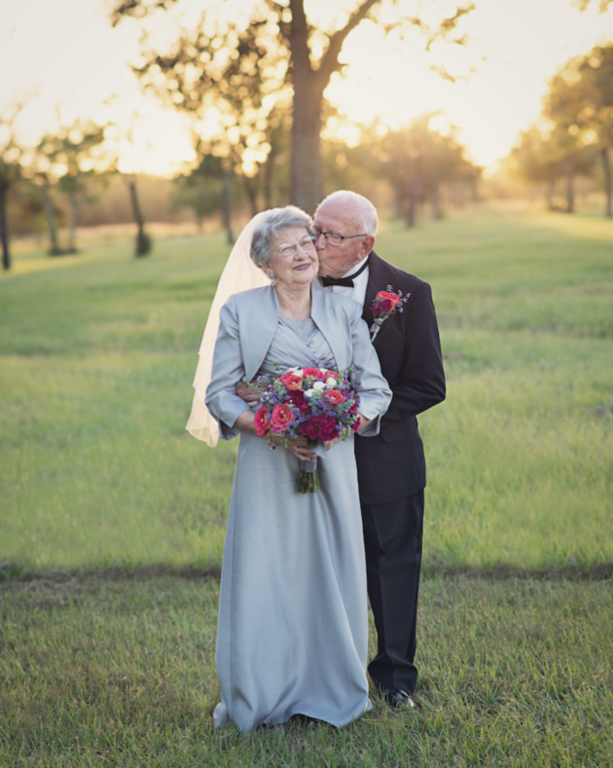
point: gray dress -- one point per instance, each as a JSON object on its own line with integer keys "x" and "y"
{"x": 292, "y": 635}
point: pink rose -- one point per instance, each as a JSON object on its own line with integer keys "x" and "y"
{"x": 387, "y": 296}
{"x": 310, "y": 428}
{"x": 356, "y": 424}
{"x": 386, "y": 305}
{"x": 334, "y": 397}
{"x": 261, "y": 421}
{"x": 282, "y": 417}
{"x": 328, "y": 429}
{"x": 314, "y": 373}
{"x": 291, "y": 380}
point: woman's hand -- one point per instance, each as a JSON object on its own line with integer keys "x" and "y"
{"x": 364, "y": 422}
{"x": 298, "y": 447}
{"x": 248, "y": 393}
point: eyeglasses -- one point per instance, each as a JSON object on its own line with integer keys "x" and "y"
{"x": 291, "y": 249}
{"x": 333, "y": 238}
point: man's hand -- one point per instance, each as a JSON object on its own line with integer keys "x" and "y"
{"x": 250, "y": 395}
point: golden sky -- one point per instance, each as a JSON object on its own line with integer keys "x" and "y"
{"x": 66, "y": 52}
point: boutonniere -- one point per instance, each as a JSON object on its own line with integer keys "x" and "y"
{"x": 386, "y": 304}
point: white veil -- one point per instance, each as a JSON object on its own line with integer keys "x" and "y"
{"x": 240, "y": 274}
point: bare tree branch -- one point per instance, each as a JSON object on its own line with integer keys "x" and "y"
{"x": 330, "y": 61}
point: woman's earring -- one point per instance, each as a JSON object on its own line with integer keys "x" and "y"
{"x": 271, "y": 275}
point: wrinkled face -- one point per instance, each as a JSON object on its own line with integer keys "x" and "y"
{"x": 293, "y": 258}
{"x": 343, "y": 219}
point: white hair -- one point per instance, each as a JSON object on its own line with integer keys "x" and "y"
{"x": 272, "y": 223}
{"x": 365, "y": 211}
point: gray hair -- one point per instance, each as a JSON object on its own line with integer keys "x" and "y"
{"x": 364, "y": 210}
{"x": 273, "y": 223}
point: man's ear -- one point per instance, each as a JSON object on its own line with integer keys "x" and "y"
{"x": 367, "y": 244}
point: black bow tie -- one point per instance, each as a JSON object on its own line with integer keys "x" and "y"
{"x": 347, "y": 282}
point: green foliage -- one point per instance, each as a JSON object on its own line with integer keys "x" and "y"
{"x": 105, "y": 672}
{"x": 98, "y": 358}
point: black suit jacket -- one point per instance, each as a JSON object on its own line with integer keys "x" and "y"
{"x": 392, "y": 465}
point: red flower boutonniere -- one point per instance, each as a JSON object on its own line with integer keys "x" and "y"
{"x": 386, "y": 304}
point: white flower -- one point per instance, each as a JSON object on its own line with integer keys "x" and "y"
{"x": 297, "y": 371}
{"x": 309, "y": 393}
{"x": 319, "y": 385}
{"x": 331, "y": 383}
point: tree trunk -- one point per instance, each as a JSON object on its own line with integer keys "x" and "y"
{"x": 227, "y": 207}
{"x": 252, "y": 195}
{"x": 54, "y": 248}
{"x": 306, "y": 174}
{"x": 570, "y": 188}
{"x": 606, "y": 167}
{"x": 268, "y": 173}
{"x": 72, "y": 224}
{"x": 4, "y": 235}
{"x": 143, "y": 241}
{"x": 414, "y": 192}
{"x": 398, "y": 201}
{"x": 435, "y": 202}
{"x": 549, "y": 192}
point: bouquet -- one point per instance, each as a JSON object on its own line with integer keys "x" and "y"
{"x": 314, "y": 402}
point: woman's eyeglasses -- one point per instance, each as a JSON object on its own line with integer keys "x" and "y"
{"x": 291, "y": 249}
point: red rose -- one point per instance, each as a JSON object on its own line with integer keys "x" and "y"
{"x": 334, "y": 397}
{"x": 386, "y": 306}
{"x": 310, "y": 428}
{"x": 387, "y": 296}
{"x": 314, "y": 373}
{"x": 282, "y": 417}
{"x": 333, "y": 374}
{"x": 261, "y": 422}
{"x": 291, "y": 380}
{"x": 297, "y": 398}
{"x": 328, "y": 429}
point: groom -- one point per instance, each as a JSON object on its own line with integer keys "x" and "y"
{"x": 391, "y": 466}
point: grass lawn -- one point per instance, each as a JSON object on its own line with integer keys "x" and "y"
{"x": 108, "y": 509}
{"x": 97, "y": 359}
{"x": 103, "y": 672}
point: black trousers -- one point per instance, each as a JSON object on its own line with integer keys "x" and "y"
{"x": 393, "y": 535}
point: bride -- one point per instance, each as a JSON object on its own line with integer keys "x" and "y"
{"x": 292, "y": 635}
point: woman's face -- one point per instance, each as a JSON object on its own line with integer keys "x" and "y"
{"x": 293, "y": 258}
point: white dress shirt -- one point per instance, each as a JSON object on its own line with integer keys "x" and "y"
{"x": 360, "y": 283}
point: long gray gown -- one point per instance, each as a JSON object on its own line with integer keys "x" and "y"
{"x": 292, "y": 633}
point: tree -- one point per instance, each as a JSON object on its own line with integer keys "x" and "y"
{"x": 305, "y": 56}
{"x": 11, "y": 153}
{"x": 533, "y": 160}
{"x": 579, "y": 104}
{"x": 76, "y": 154}
{"x": 417, "y": 160}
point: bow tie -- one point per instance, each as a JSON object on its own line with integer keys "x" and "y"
{"x": 347, "y": 282}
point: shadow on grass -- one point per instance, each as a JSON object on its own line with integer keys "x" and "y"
{"x": 10, "y": 571}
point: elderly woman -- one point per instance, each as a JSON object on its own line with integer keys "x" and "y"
{"x": 292, "y": 636}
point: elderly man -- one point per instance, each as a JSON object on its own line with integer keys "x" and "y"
{"x": 391, "y": 467}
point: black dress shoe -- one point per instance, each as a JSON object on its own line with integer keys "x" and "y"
{"x": 396, "y": 698}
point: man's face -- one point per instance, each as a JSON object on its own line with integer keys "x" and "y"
{"x": 337, "y": 260}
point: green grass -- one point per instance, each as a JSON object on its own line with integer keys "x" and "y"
{"x": 108, "y": 509}
{"x": 97, "y": 359}
{"x": 97, "y": 672}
